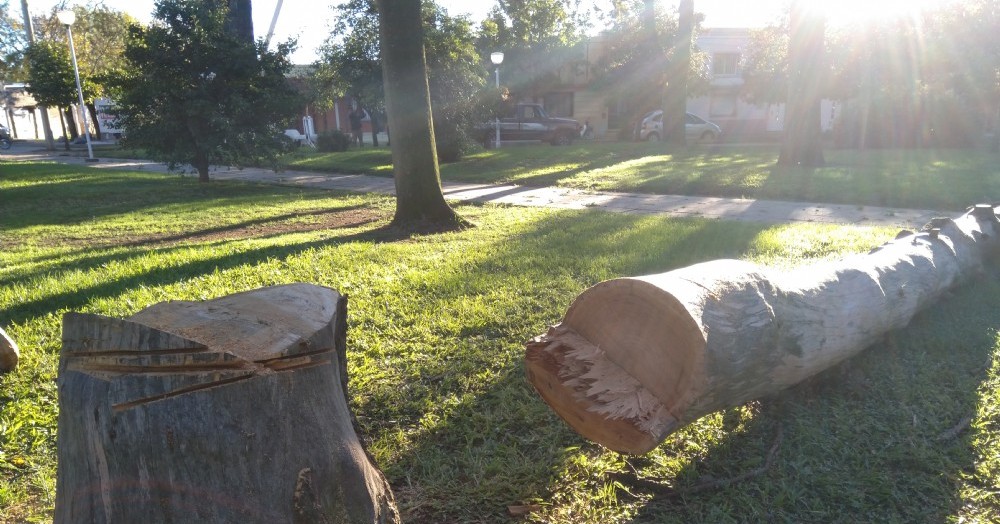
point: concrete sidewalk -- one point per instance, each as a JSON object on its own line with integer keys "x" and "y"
{"x": 767, "y": 211}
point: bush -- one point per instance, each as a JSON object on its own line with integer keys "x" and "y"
{"x": 333, "y": 141}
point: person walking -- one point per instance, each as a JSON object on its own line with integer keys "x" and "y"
{"x": 356, "y": 116}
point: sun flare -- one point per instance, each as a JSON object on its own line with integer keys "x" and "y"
{"x": 849, "y": 12}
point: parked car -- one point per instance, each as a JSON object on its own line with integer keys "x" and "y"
{"x": 695, "y": 128}
{"x": 525, "y": 122}
{"x": 5, "y": 139}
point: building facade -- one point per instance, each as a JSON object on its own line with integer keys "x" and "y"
{"x": 722, "y": 103}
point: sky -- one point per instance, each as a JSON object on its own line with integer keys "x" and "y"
{"x": 310, "y": 20}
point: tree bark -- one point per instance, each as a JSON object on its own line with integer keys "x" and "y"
{"x": 803, "y": 144}
{"x": 240, "y": 19}
{"x": 72, "y": 124}
{"x": 62, "y": 122}
{"x": 637, "y": 358}
{"x": 201, "y": 165}
{"x": 408, "y": 106}
{"x": 92, "y": 110}
{"x": 675, "y": 101}
{"x": 9, "y": 352}
{"x": 230, "y": 410}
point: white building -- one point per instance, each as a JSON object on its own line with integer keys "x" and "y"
{"x": 575, "y": 97}
{"x": 724, "y": 104}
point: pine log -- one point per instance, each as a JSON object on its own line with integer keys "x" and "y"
{"x": 635, "y": 359}
{"x": 229, "y": 410}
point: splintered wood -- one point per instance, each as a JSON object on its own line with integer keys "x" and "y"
{"x": 227, "y": 410}
{"x": 635, "y": 359}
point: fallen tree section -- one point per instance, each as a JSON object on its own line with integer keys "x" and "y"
{"x": 229, "y": 410}
{"x": 635, "y": 359}
{"x": 9, "y": 352}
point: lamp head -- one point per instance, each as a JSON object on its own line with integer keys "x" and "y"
{"x": 496, "y": 57}
{"x": 66, "y": 17}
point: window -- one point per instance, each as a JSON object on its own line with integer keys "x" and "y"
{"x": 725, "y": 64}
{"x": 528, "y": 113}
{"x": 559, "y": 104}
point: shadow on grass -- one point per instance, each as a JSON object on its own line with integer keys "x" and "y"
{"x": 878, "y": 438}
{"x": 80, "y": 297}
{"x": 68, "y": 197}
{"x": 516, "y": 440}
{"x": 496, "y": 443}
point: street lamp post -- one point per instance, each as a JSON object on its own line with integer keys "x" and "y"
{"x": 497, "y": 58}
{"x": 67, "y": 18}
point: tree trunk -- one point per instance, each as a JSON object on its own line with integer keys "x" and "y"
{"x": 92, "y": 109}
{"x": 637, "y": 358}
{"x": 71, "y": 123}
{"x": 802, "y": 144}
{"x": 240, "y": 19}
{"x": 201, "y": 165}
{"x": 230, "y": 410}
{"x": 374, "y": 120}
{"x": 408, "y": 106}
{"x": 675, "y": 101}
{"x": 62, "y": 122}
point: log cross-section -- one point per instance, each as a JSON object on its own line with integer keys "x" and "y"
{"x": 228, "y": 410}
{"x": 635, "y": 359}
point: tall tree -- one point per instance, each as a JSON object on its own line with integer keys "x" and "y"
{"x": 764, "y": 66}
{"x": 195, "y": 92}
{"x": 924, "y": 79}
{"x": 414, "y": 158}
{"x": 13, "y": 45}
{"x": 802, "y": 143}
{"x": 99, "y": 34}
{"x": 351, "y": 65}
{"x": 241, "y": 18}
{"x": 536, "y": 37}
{"x": 50, "y": 78}
{"x": 675, "y": 99}
{"x": 637, "y": 50}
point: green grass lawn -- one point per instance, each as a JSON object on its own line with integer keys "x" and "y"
{"x": 948, "y": 179}
{"x": 945, "y": 179}
{"x": 437, "y": 331}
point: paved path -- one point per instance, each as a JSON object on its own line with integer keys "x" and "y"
{"x": 768, "y": 211}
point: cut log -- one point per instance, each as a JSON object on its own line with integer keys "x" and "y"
{"x": 635, "y": 359}
{"x": 9, "y": 354}
{"x": 229, "y": 410}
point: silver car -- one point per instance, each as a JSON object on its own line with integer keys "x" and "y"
{"x": 695, "y": 128}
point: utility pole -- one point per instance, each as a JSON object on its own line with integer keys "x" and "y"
{"x": 29, "y": 29}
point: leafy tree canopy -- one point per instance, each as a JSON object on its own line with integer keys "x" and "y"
{"x": 350, "y": 65}
{"x": 634, "y": 63}
{"x": 537, "y": 37}
{"x": 51, "y": 80}
{"x": 905, "y": 79}
{"x": 13, "y": 45}
{"x": 99, "y": 35}
{"x": 193, "y": 91}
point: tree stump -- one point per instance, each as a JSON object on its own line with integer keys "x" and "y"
{"x": 637, "y": 358}
{"x": 9, "y": 354}
{"x": 229, "y": 410}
